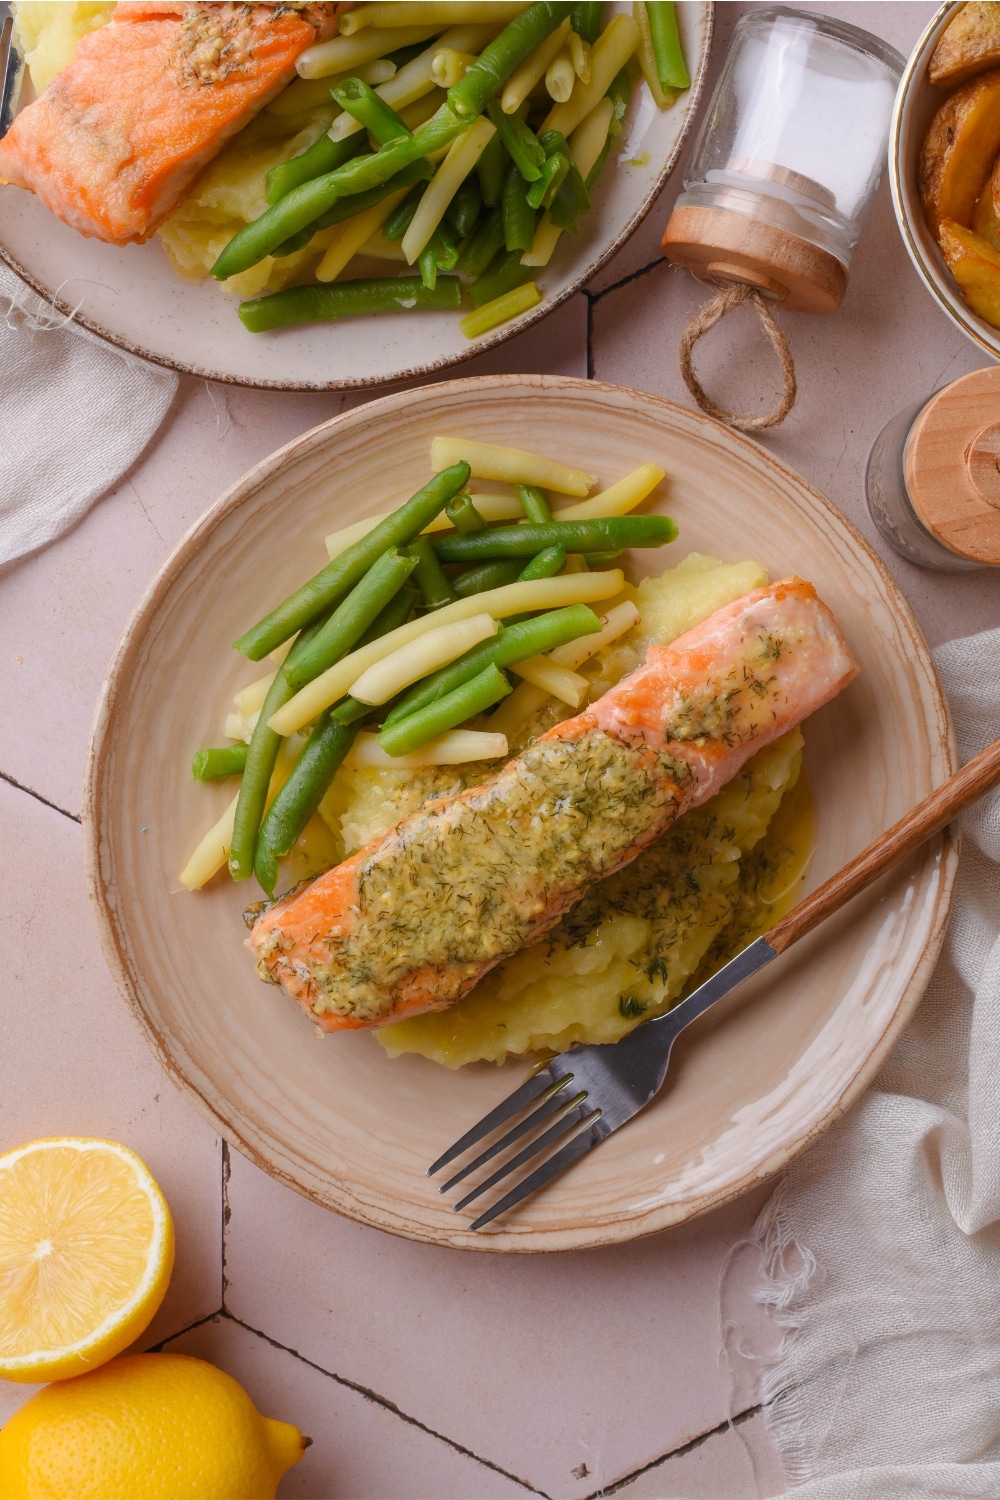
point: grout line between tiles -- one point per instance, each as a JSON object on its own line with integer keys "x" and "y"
{"x": 20, "y": 787}
{"x": 664, "y": 1458}
{"x": 198, "y": 1323}
{"x": 616, "y": 286}
{"x": 227, "y": 1167}
{"x": 385, "y": 1403}
{"x": 591, "y": 365}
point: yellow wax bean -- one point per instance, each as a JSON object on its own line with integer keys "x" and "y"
{"x": 450, "y": 66}
{"x": 608, "y": 56}
{"x": 618, "y": 499}
{"x": 511, "y": 465}
{"x": 213, "y": 849}
{"x": 309, "y": 93}
{"x": 451, "y": 749}
{"x": 558, "y": 682}
{"x": 512, "y": 599}
{"x": 419, "y": 658}
{"x": 521, "y": 82}
{"x": 251, "y": 698}
{"x": 345, "y": 55}
{"x": 416, "y": 78}
{"x": 510, "y": 305}
{"x": 579, "y": 51}
{"x": 405, "y": 13}
{"x": 353, "y": 234}
{"x": 462, "y": 157}
{"x": 378, "y": 249}
{"x": 560, "y": 77}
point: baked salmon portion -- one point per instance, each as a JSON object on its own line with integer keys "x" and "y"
{"x": 116, "y": 140}
{"x": 410, "y": 922}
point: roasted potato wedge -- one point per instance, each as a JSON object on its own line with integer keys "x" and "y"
{"x": 959, "y": 151}
{"x": 986, "y": 214}
{"x": 975, "y": 265}
{"x": 970, "y": 45}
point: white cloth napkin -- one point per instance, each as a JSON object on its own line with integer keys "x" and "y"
{"x": 882, "y": 1245}
{"x": 75, "y": 413}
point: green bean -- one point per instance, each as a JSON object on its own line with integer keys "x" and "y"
{"x": 585, "y": 20}
{"x": 512, "y": 643}
{"x": 463, "y": 515}
{"x": 427, "y": 264}
{"x": 472, "y": 698}
{"x": 598, "y": 559}
{"x": 350, "y": 711}
{"x": 395, "y": 613}
{"x": 504, "y": 275}
{"x": 294, "y": 242}
{"x": 490, "y": 575}
{"x": 429, "y": 575}
{"x": 503, "y": 56}
{"x": 576, "y": 536}
{"x": 519, "y": 140}
{"x": 542, "y": 193}
{"x": 570, "y": 201}
{"x": 331, "y": 582}
{"x": 401, "y": 217}
{"x": 462, "y": 212}
{"x": 489, "y": 170}
{"x": 262, "y": 753}
{"x": 363, "y": 104}
{"x": 519, "y": 217}
{"x": 322, "y": 157}
{"x": 445, "y": 248}
{"x": 348, "y": 299}
{"x": 346, "y": 208}
{"x": 300, "y": 796}
{"x": 304, "y": 204}
{"x": 544, "y": 564}
{"x": 533, "y": 503}
{"x": 213, "y": 765}
{"x": 671, "y": 68}
{"x": 484, "y": 245}
{"x": 353, "y": 616}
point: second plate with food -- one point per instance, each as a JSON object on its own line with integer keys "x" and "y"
{"x": 131, "y": 296}
{"x": 332, "y": 1115}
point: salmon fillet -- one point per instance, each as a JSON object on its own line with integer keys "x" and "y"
{"x": 411, "y": 922}
{"x": 116, "y": 140}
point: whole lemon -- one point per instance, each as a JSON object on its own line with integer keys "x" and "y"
{"x": 145, "y": 1427}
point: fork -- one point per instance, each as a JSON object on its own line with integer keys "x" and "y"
{"x": 11, "y": 71}
{"x": 590, "y": 1091}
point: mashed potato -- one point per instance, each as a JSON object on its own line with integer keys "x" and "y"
{"x": 634, "y": 943}
{"x": 47, "y": 33}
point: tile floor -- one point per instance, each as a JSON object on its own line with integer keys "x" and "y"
{"x": 418, "y": 1371}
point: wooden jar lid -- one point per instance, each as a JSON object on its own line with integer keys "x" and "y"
{"x": 722, "y": 245}
{"x": 951, "y": 466}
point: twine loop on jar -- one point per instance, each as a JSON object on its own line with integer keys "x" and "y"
{"x": 725, "y": 300}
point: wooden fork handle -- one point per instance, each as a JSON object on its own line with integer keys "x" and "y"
{"x": 923, "y": 821}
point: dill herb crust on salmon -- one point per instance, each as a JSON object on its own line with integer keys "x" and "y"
{"x": 118, "y": 137}
{"x": 412, "y": 921}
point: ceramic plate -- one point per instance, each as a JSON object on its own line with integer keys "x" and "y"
{"x": 130, "y": 295}
{"x": 917, "y": 102}
{"x": 334, "y": 1117}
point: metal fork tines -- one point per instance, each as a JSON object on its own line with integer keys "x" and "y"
{"x": 580, "y": 1097}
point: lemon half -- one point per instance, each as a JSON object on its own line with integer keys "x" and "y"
{"x": 86, "y": 1251}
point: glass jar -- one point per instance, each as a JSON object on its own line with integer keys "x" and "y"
{"x": 933, "y": 477}
{"x": 797, "y": 129}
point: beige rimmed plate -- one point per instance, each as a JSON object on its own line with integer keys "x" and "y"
{"x": 334, "y": 1117}
{"x": 130, "y": 296}
{"x": 917, "y": 102}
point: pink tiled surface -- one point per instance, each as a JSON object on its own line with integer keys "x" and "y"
{"x": 417, "y": 1371}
